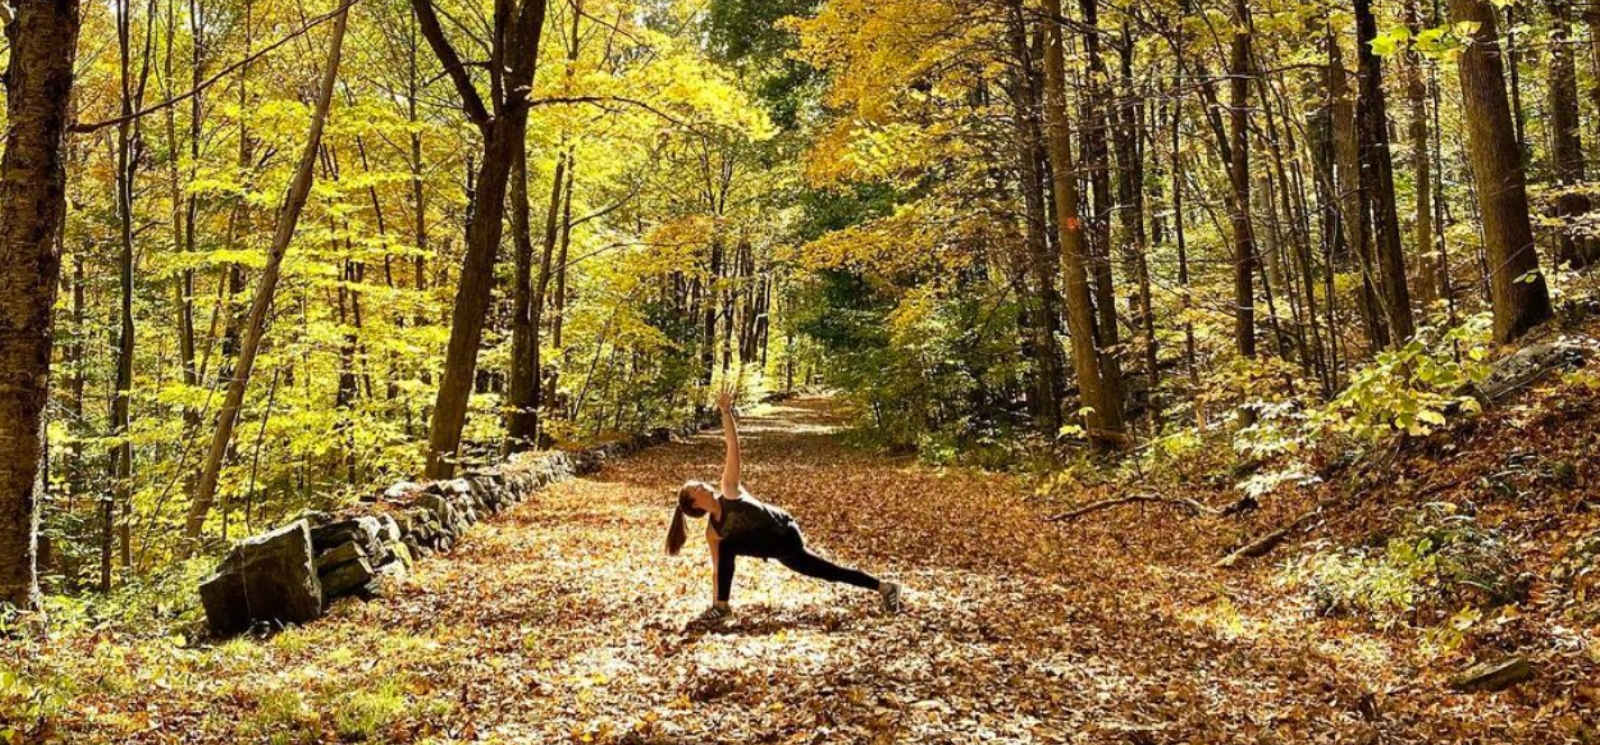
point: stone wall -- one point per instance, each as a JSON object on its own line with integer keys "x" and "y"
{"x": 291, "y": 574}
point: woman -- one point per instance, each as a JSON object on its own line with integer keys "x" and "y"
{"x": 740, "y": 525}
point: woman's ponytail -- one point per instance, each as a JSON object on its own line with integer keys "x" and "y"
{"x": 676, "y": 534}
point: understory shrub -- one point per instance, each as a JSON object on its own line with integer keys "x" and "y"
{"x": 1412, "y": 391}
{"x": 1439, "y": 561}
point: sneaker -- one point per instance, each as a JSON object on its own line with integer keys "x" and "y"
{"x": 713, "y": 616}
{"x": 890, "y": 592}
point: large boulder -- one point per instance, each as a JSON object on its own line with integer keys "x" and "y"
{"x": 268, "y": 577}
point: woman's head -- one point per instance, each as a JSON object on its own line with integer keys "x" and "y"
{"x": 695, "y": 499}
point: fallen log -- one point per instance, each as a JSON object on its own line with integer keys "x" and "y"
{"x": 1193, "y": 506}
{"x": 1264, "y": 544}
{"x": 1495, "y": 675}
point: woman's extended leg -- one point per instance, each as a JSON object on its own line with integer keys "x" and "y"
{"x": 812, "y": 565}
{"x": 726, "y": 551}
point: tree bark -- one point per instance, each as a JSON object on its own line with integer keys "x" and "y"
{"x": 43, "y": 36}
{"x": 1353, "y": 215}
{"x": 558, "y": 303}
{"x": 255, "y": 324}
{"x": 1430, "y": 269}
{"x": 1517, "y": 289}
{"x": 528, "y": 304}
{"x": 1097, "y": 165}
{"x": 1042, "y": 264}
{"x": 1127, "y": 135}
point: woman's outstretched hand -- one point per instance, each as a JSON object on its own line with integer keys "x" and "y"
{"x": 725, "y": 398}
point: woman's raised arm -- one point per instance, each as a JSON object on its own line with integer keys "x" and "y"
{"x": 730, "y": 436}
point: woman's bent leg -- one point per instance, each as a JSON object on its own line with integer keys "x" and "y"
{"x": 812, "y": 565}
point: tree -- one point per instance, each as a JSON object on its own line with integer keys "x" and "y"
{"x": 528, "y": 296}
{"x": 43, "y": 36}
{"x": 1102, "y": 399}
{"x": 1042, "y": 264}
{"x": 1238, "y": 157}
{"x": 294, "y": 203}
{"x": 1377, "y": 180}
{"x": 1566, "y": 142}
{"x": 1354, "y": 218}
{"x": 513, "y": 56}
{"x": 1432, "y": 271}
{"x": 1095, "y": 169}
{"x": 1517, "y": 289}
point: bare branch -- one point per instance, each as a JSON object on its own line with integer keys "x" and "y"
{"x": 1194, "y": 507}
{"x": 559, "y": 100}
{"x": 214, "y": 79}
{"x": 471, "y": 102}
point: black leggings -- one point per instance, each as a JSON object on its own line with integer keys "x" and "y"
{"x": 789, "y": 548}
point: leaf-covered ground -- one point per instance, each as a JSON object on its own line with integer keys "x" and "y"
{"x": 562, "y": 621}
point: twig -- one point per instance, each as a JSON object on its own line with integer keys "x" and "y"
{"x": 208, "y": 82}
{"x": 1268, "y": 541}
{"x": 1193, "y": 506}
{"x": 603, "y": 100}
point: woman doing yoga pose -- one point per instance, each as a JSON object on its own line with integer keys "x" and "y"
{"x": 741, "y": 525}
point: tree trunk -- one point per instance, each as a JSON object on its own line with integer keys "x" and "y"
{"x": 129, "y": 137}
{"x": 255, "y": 324}
{"x": 1591, "y": 18}
{"x": 184, "y": 209}
{"x": 1430, "y": 270}
{"x": 558, "y": 303}
{"x": 1566, "y": 143}
{"x": 522, "y": 416}
{"x": 517, "y": 31}
{"x": 1101, "y": 398}
{"x": 43, "y": 36}
{"x": 1042, "y": 264}
{"x": 1353, "y": 215}
{"x": 1244, "y": 250}
{"x": 1131, "y": 198}
{"x": 1517, "y": 289}
{"x": 1377, "y": 181}
{"x": 708, "y": 313}
{"x": 1097, "y": 165}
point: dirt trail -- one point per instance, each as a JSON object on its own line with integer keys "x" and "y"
{"x": 562, "y": 621}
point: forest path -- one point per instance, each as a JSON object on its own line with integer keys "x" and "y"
{"x": 1015, "y": 630}
{"x": 562, "y": 620}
